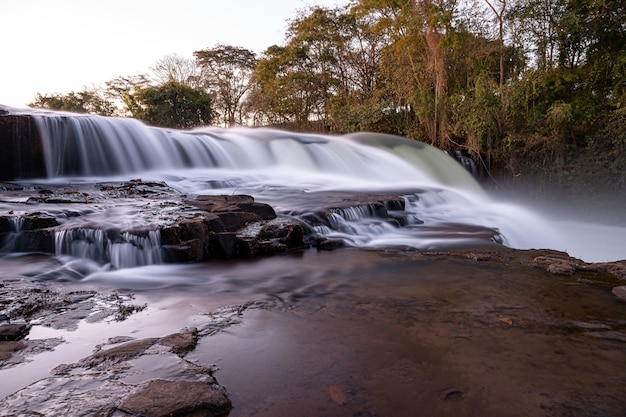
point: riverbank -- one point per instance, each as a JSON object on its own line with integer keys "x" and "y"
{"x": 347, "y": 332}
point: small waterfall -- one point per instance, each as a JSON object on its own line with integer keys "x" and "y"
{"x": 364, "y": 225}
{"x": 11, "y": 241}
{"x": 465, "y": 161}
{"x": 121, "y": 250}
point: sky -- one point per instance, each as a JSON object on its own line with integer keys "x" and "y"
{"x": 58, "y": 46}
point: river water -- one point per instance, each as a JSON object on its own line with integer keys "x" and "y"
{"x": 393, "y": 330}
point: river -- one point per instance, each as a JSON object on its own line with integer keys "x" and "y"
{"x": 431, "y": 313}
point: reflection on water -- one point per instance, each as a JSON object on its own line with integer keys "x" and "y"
{"x": 393, "y": 331}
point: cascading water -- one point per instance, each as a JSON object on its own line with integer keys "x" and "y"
{"x": 11, "y": 240}
{"x": 444, "y": 204}
{"x": 122, "y": 250}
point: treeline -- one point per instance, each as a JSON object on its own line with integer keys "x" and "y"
{"x": 515, "y": 84}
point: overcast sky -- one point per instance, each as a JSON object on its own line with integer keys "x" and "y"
{"x": 58, "y": 46}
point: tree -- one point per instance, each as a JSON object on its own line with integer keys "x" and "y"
{"x": 226, "y": 73}
{"x": 325, "y": 77}
{"x": 498, "y": 11}
{"x": 285, "y": 91}
{"x": 177, "y": 68}
{"x": 174, "y": 105}
{"x": 87, "y": 101}
{"x": 417, "y": 60}
{"x": 122, "y": 90}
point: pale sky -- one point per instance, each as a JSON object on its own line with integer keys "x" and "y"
{"x": 58, "y": 46}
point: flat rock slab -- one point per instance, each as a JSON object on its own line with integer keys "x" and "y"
{"x": 163, "y": 398}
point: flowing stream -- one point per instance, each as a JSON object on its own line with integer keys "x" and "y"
{"x": 328, "y": 318}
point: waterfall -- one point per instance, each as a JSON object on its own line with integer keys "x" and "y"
{"x": 122, "y": 250}
{"x": 444, "y": 204}
{"x": 94, "y": 146}
{"x": 11, "y": 241}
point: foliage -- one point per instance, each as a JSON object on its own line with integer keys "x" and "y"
{"x": 226, "y": 72}
{"x": 122, "y": 90}
{"x": 177, "y": 68}
{"x": 174, "y": 105}
{"x": 86, "y": 101}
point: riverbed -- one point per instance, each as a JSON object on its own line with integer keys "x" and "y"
{"x": 357, "y": 332}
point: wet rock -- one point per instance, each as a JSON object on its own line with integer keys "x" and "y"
{"x": 108, "y": 359}
{"x": 219, "y": 203}
{"x": 221, "y": 230}
{"x": 35, "y": 241}
{"x": 122, "y": 352}
{"x": 620, "y": 292}
{"x": 15, "y": 353}
{"x": 222, "y": 245}
{"x": 557, "y": 264}
{"x": 264, "y": 211}
{"x": 195, "y": 234}
{"x": 13, "y": 332}
{"x": 617, "y": 269}
{"x": 235, "y": 220}
{"x": 184, "y": 252}
{"x": 7, "y": 349}
{"x": 270, "y": 238}
{"x": 214, "y": 223}
{"x": 182, "y": 342}
{"x": 610, "y": 335}
{"x": 451, "y": 394}
{"x": 163, "y": 398}
{"x": 329, "y": 244}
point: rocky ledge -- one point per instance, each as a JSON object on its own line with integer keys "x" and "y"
{"x": 160, "y": 222}
{"x": 190, "y": 228}
{"x": 101, "y": 383}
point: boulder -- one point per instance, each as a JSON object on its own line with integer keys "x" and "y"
{"x": 163, "y": 398}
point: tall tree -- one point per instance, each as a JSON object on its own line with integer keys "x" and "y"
{"x": 285, "y": 91}
{"x": 226, "y": 73}
{"x": 177, "y": 68}
{"x": 498, "y": 7}
{"x": 294, "y": 83}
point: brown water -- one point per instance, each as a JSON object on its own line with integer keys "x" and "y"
{"x": 396, "y": 333}
{"x": 429, "y": 337}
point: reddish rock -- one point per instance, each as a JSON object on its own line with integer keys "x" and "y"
{"x": 163, "y": 398}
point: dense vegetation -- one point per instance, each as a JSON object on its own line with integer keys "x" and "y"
{"x": 526, "y": 87}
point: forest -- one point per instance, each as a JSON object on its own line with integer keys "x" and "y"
{"x": 533, "y": 90}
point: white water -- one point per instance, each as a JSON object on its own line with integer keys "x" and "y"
{"x": 280, "y": 167}
{"x": 121, "y": 251}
